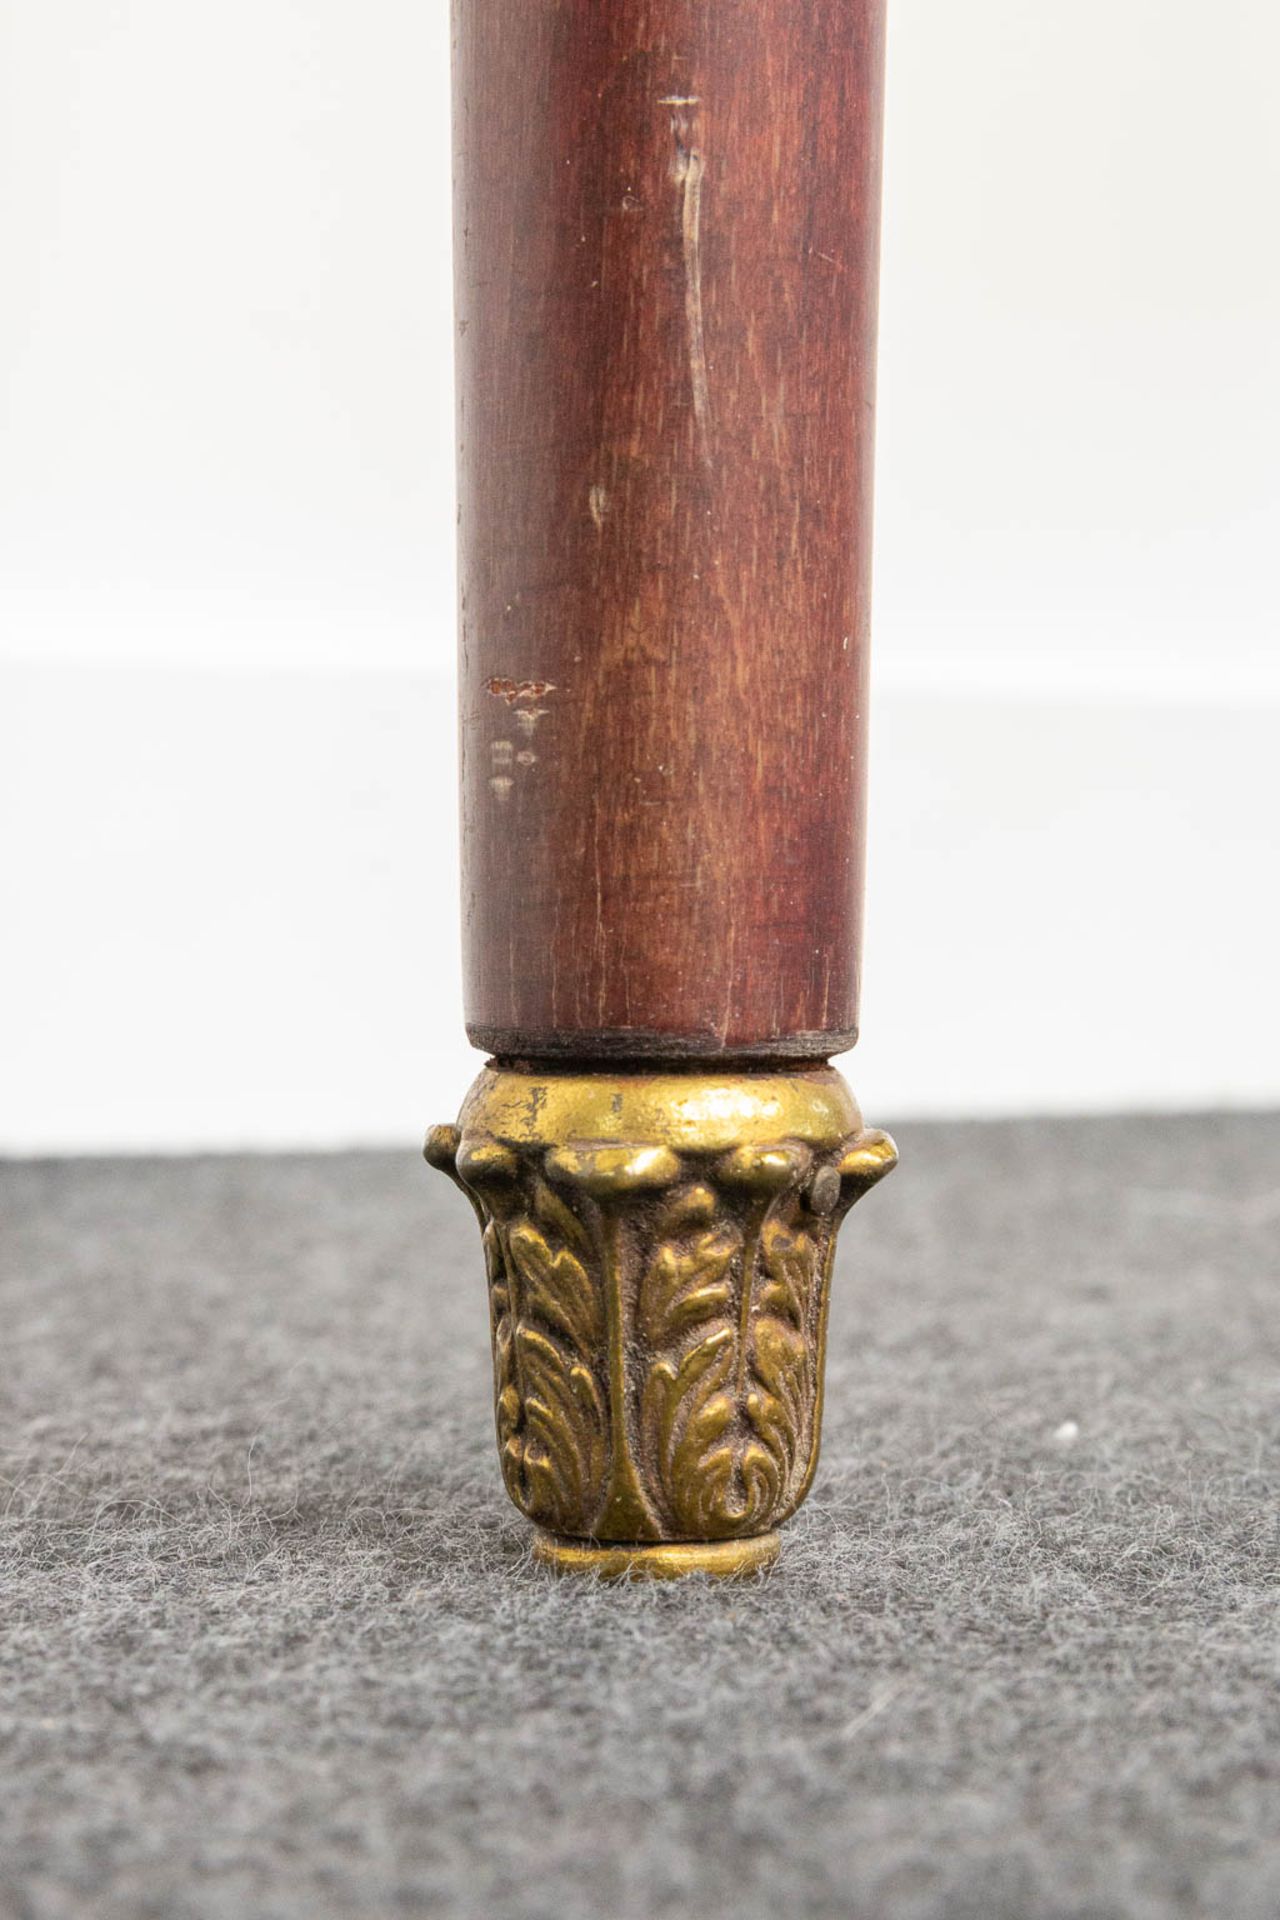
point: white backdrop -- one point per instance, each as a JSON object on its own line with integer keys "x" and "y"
{"x": 226, "y": 569}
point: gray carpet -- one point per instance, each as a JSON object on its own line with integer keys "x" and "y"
{"x": 272, "y": 1644}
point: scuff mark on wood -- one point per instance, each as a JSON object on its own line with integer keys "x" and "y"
{"x": 687, "y": 171}
{"x": 504, "y": 688}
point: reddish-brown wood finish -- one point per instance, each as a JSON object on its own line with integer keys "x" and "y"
{"x": 667, "y": 223}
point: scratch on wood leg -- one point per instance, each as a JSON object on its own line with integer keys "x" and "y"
{"x": 688, "y": 172}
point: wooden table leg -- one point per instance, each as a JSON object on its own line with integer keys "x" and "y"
{"x": 667, "y": 219}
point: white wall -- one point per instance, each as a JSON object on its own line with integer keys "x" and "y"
{"x": 226, "y": 592}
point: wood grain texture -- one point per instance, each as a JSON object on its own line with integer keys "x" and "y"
{"x": 667, "y": 225}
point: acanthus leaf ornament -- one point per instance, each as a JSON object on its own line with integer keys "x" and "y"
{"x": 659, "y": 1304}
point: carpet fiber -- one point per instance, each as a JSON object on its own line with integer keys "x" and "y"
{"x": 273, "y": 1645}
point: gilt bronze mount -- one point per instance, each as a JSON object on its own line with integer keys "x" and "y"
{"x": 659, "y": 1250}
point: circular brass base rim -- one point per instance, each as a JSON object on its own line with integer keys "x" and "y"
{"x": 660, "y": 1560}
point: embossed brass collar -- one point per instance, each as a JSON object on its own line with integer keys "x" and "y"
{"x": 659, "y": 1252}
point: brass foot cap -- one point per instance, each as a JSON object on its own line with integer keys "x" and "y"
{"x": 664, "y": 1560}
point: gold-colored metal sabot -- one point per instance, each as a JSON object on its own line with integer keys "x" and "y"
{"x": 659, "y": 1251}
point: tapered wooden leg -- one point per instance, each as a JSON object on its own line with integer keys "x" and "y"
{"x": 667, "y": 219}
